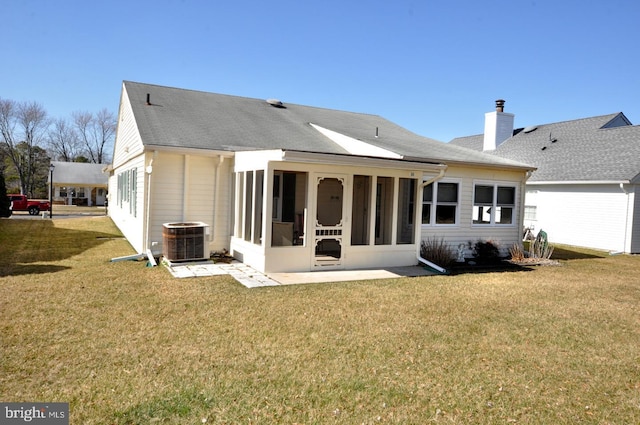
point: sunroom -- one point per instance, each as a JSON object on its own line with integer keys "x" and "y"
{"x": 299, "y": 211}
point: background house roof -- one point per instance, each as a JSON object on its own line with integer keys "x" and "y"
{"x": 199, "y": 120}
{"x": 79, "y": 174}
{"x": 602, "y": 148}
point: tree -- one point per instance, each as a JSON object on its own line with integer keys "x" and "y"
{"x": 23, "y": 127}
{"x": 96, "y": 132}
{"x": 64, "y": 143}
{"x": 34, "y": 183}
{"x": 5, "y": 204}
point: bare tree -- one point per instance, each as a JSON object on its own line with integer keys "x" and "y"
{"x": 96, "y": 132}
{"x": 23, "y": 126}
{"x": 64, "y": 143}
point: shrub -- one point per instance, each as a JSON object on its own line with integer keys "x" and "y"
{"x": 485, "y": 251}
{"x": 517, "y": 253}
{"x": 437, "y": 251}
{"x": 540, "y": 247}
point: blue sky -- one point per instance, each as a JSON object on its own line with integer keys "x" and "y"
{"x": 434, "y": 67}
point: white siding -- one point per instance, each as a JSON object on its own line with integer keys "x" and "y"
{"x": 130, "y": 225}
{"x": 465, "y": 232}
{"x": 128, "y": 143}
{"x": 300, "y": 258}
{"x": 593, "y": 216}
{"x": 183, "y": 189}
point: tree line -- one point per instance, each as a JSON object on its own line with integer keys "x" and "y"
{"x": 31, "y": 139}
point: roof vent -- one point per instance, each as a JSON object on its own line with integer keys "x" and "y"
{"x": 530, "y": 129}
{"x": 275, "y": 103}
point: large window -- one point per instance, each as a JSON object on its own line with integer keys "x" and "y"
{"x": 440, "y": 203}
{"x": 493, "y": 204}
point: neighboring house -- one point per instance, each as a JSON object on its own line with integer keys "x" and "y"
{"x": 77, "y": 183}
{"x": 286, "y": 187}
{"x": 586, "y": 190}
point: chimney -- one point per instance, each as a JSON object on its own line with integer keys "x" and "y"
{"x": 148, "y": 99}
{"x": 498, "y": 127}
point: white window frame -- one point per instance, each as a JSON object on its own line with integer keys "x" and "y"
{"x": 434, "y": 204}
{"x": 128, "y": 190}
{"x": 530, "y": 213}
{"x": 495, "y": 184}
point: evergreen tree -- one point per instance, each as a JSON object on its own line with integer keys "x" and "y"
{"x": 5, "y": 204}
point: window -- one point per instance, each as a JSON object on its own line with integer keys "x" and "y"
{"x": 127, "y": 190}
{"x": 493, "y": 204}
{"x": 443, "y": 207}
{"x": 530, "y": 212}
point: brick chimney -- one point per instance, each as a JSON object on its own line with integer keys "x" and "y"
{"x": 498, "y": 127}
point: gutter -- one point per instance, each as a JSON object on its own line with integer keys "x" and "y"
{"x": 418, "y": 236}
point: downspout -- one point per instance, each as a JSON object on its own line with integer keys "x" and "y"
{"x": 418, "y": 235}
{"x": 626, "y": 218}
{"x": 216, "y": 189}
{"x": 523, "y": 191}
{"x": 185, "y": 187}
{"x": 149, "y": 171}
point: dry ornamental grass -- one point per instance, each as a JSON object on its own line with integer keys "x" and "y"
{"x": 128, "y": 344}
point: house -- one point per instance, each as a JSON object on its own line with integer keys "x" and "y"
{"x": 586, "y": 189}
{"x": 77, "y": 183}
{"x": 285, "y": 187}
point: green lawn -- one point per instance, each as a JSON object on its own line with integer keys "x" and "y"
{"x": 128, "y": 344}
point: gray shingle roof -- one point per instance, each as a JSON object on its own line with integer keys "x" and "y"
{"x": 78, "y": 173}
{"x": 587, "y": 149}
{"x": 193, "y": 119}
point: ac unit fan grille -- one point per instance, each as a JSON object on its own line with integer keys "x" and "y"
{"x": 184, "y": 241}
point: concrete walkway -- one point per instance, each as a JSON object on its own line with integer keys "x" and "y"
{"x": 251, "y": 278}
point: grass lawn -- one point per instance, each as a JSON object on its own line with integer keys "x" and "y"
{"x": 127, "y": 344}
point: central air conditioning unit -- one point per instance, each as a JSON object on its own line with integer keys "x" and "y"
{"x": 184, "y": 241}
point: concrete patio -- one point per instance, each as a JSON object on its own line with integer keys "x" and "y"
{"x": 251, "y": 278}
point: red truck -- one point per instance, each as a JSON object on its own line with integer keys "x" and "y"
{"x": 21, "y": 203}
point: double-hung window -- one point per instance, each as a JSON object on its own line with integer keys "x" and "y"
{"x": 440, "y": 203}
{"x": 493, "y": 204}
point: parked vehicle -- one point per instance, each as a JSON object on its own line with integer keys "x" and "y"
{"x": 21, "y": 203}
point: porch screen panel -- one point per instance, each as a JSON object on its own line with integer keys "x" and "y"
{"x": 289, "y": 206}
{"x": 233, "y": 203}
{"x": 406, "y": 211}
{"x": 257, "y": 208}
{"x": 240, "y": 191}
{"x": 248, "y": 205}
{"x": 360, "y": 211}
{"x": 384, "y": 210}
